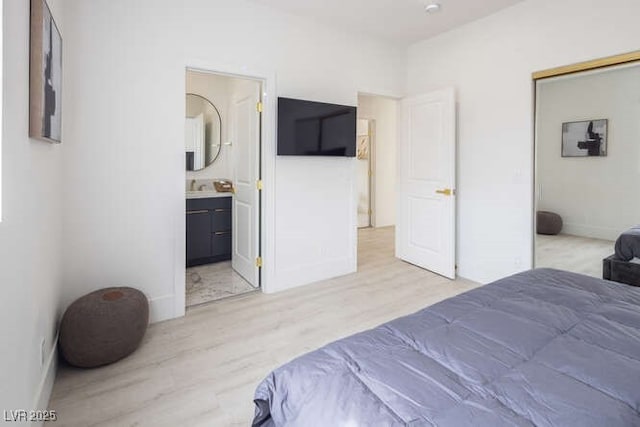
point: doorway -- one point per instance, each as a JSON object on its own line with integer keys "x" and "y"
{"x": 223, "y": 150}
{"x": 376, "y": 140}
{"x": 364, "y": 157}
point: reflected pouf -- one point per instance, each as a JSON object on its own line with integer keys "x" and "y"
{"x": 103, "y": 327}
{"x": 548, "y": 223}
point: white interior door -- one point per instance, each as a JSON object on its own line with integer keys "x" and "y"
{"x": 426, "y": 226}
{"x": 246, "y": 215}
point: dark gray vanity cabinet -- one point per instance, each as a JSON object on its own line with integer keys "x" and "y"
{"x": 208, "y": 230}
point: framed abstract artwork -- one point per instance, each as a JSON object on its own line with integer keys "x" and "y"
{"x": 45, "y": 75}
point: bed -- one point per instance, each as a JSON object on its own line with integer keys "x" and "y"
{"x": 624, "y": 265}
{"x": 540, "y": 348}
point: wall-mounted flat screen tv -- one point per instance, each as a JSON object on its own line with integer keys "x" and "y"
{"x": 307, "y": 128}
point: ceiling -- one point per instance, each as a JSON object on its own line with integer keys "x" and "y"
{"x": 397, "y": 21}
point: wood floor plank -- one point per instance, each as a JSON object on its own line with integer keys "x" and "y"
{"x": 203, "y": 369}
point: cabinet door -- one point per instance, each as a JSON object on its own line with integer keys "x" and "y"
{"x": 198, "y": 234}
{"x": 221, "y": 243}
{"x": 221, "y": 219}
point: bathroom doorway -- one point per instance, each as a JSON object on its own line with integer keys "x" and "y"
{"x": 223, "y": 150}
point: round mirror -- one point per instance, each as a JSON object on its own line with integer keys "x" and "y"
{"x": 203, "y": 132}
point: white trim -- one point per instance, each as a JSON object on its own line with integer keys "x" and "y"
{"x": 45, "y": 387}
{"x": 161, "y": 308}
{"x": 268, "y": 140}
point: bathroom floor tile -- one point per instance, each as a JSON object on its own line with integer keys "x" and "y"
{"x": 211, "y": 282}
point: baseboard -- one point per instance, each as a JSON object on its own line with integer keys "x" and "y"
{"x": 43, "y": 394}
{"x": 593, "y": 232}
{"x": 162, "y": 308}
{"x": 312, "y": 273}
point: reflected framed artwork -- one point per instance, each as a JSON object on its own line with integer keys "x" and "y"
{"x": 585, "y": 139}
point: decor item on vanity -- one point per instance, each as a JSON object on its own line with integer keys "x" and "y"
{"x": 223, "y": 186}
{"x": 585, "y": 139}
{"x": 103, "y": 327}
{"x": 45, "y": 75}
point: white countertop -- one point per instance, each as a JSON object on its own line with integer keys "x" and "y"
{"x": 206, "y": 194}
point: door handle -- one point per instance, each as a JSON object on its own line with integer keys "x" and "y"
{"x": 446, "y": 192}
{"x": 197, "y": 212}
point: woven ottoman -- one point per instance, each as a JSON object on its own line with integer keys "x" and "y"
{"x": 103, "y": 327}
{"x": 548, "y": 223}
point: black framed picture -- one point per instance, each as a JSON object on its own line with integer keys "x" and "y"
{"x": 45, "y": 75}
{"x": 585, "y": 139}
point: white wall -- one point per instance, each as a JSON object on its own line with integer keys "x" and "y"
{"x": 596, "y": 196}
{"x": 385, "y": 113}
{"x": 124, "y": 221}
{"x": 30, "y": 231}
{"x": 490, "y": 62}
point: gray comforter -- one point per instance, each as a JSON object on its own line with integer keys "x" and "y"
{"x": 544, "y": 348}
{"x": 628, "y": 244}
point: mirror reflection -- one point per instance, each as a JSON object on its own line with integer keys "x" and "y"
{"x": 588, "y": 170}
{"x": 202, "y": 132}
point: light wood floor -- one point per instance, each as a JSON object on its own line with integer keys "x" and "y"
{"x": 201, "y": 370}
{"x": 577, "y": 254}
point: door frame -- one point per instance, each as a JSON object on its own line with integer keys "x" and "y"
{"x": 266, "y": 166}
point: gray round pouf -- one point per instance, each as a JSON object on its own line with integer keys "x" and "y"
{"x": 103, "y": 327}
{"x": 548, "y": 223}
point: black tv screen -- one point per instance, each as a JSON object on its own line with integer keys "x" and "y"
{"x": 307, "y": 128}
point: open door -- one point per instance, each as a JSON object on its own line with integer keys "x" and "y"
{"x": 246, "y": 111}
{"x": 426, "y": 224}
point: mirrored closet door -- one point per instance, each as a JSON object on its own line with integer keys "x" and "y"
{"x": 587, "y": 166}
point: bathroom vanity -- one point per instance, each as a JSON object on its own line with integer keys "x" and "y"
{"x": 208, "y": 227}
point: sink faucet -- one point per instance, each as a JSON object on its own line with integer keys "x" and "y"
{"x": 192, "y": 186}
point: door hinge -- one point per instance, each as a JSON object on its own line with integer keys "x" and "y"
{"x": 259, "y": 107}
{"x": 259, "y": 185}
{"x": 259, "y": 262}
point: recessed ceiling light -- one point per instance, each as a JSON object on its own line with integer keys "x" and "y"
{"x": 433, "y": 8}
